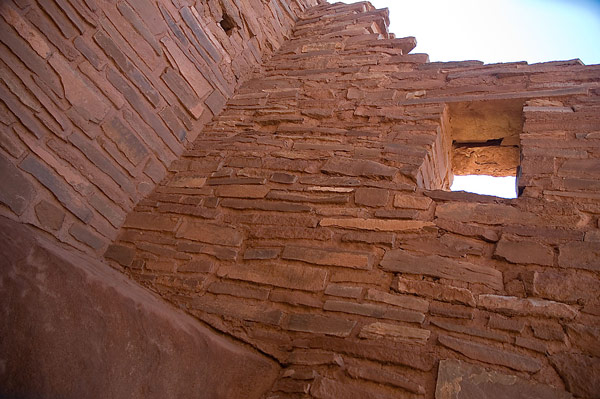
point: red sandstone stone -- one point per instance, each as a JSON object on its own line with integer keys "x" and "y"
{"x": 311, "y": 198}
{"x": 489, "y": 354}
{"x": 406, "y": 355}
{"x": 261, "y": 253}
{"x": 375, "y": 224}
{"x": 318, "y": 256}
{"x": 240, "y": 309}
{"x": 581, "y": 373}
{"x": 280, "y": 275}
{"x": 198, "y": 265}
{"x": 373, "y": 197}
{"x": 320, "y": 324}
{"x": 376, "y": 311}
{"x": 279, "y": 219}
{"x": 325, "y": 388}
{"x": 402, "y": 261}
{"x": 238, "y": 290}
{"x": 465, "y": 229}
{"x": 528, "y": 306}
{"x": 533, "y": 344}
{"x": 287, "y": 232}
{"x": 387, "y": 239}
{"x": 312, "y": 358}
{"x": 385, "y": 377}
{"x": 373, "y": 276}
{"x": 264, "y": 205}
{"x": 585, "y": 337}
{"x": 564, "y": 286}
{"x": 507, "y": 324}
{"x": 403, "y": 301}
{"x": 17, "y": 191}
{"x": 519, "y": 250}
{"x": 470, "y": 330}
{"x": 580, "y": 255}
{"x": 242, "y": 191}
{"x": 470, "y": 381}
{"x": 412, "y": 201}
{"x": 343, "y": 291}
{"x": 395, "y": 333}
{"x": 496, "y": 214}
{"x": 364, "y": 168}
{"x": 284, "y": 178}
{"x": 436, "y": 291}
{"x": 50, "y": 216}
{"x": 121, "y": 254}
{"x": 449, "y": 310}
{"x": 295, "y": 298}
{"x": 448, "y": 245}
{"x": 548, "y": 331}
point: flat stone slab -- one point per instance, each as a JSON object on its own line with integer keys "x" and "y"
{"x": 461, "y": 380}
{"x": 79, "y": 329}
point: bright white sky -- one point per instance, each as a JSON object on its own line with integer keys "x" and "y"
{"x": 488, "y": 185}
{"x": 498, "y": 31}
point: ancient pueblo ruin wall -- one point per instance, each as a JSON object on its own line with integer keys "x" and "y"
{"x": 305, "y": 211}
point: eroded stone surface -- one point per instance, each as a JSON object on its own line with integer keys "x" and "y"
{"x": 492, "y": 355}
{"x": 133, "y": 345}
{"x": 402, "y": 261}
{"x": 581, "y": 373}
{"x": 462, "y": 380}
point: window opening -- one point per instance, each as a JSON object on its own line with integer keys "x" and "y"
{"x": 228, "y": 24}
{"x": 499, "y": 186}
{"x": 485, "y": 150}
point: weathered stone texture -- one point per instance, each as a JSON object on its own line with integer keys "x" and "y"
{"x": 139, "y": 79}
{"x": 142, "y": 347}
{"x": 490, "y": 354}
{"x": 402, "y": 261}
{"x": 581, "y": 373}
{"x": 461, "y": 380}
{"x": 16, "y": 191}
{"x": 302, "y": 206}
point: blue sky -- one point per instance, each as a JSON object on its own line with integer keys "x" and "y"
{"x": 499, "y": 30}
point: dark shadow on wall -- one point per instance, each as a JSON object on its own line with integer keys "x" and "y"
{"x": 75, "y": 328}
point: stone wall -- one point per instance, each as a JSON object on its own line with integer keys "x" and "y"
{"x": 309, "y": 219}
{"x": 99, "y": 97}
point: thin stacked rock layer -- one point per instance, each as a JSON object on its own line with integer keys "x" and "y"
{"x": 98, "y": 98}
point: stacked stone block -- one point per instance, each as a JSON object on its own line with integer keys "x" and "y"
{"x": 98, "y": 98}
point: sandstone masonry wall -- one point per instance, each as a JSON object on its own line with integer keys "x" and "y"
{"x": 99, "y": 97}
{"x": 309, "y": 219}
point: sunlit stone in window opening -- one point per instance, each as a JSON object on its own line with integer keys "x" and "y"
{"x": 504, "y": 186}
{"x": 485, "y": 145}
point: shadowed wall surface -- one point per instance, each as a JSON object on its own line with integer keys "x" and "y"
{"x": 74, "y": 328}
